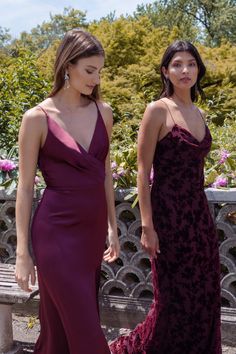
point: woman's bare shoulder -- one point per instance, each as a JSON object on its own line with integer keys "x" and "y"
{"x": 203, "y": 113}
{"x": 106, "y": 111}
{"x": 34, "y": 119}
{"x": 155, "y": 112}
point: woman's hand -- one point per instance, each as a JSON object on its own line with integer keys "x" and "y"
{"x": 24, "y": 272}
{"x": 113, "y": 250}
{"x": 150, "y": 241}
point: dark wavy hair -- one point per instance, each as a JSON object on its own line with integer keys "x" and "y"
{"x": 182, "y": 46}
{"x": 76, "y": 44}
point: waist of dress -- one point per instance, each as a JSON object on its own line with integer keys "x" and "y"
{"x": 75, "y": 188}
{"x": 175, "y": 189}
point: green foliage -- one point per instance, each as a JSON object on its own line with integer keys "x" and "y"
{"x": 22, "y": 86}
{"x": 124, "y": 153}
{"x": 134, "y": 46}
{"x": 5, "y": 37}
{"x": 9, "y": 177}
{"x": 42, "y": 36}
{"x": 207, "y": 20}
{"x": 123, "y": 40}
{"x": 165, "y": 14}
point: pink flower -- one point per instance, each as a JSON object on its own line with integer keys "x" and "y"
{"x": 36, "y": 180}
{"x": 7, "y": 165}
{"x": 224, "y": 154}
{"x": 220, "y": 182}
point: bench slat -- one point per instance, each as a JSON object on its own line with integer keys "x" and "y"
{"x": 10, "y": 292}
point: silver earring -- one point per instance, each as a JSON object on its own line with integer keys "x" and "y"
{"x": 66, "y": 79}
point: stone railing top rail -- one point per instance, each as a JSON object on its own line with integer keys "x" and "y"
{"x": 227, "y": 195}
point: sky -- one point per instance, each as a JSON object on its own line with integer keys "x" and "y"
{"x": 23, "y": 15}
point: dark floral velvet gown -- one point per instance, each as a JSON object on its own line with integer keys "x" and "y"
{"x": 185, "y": 315}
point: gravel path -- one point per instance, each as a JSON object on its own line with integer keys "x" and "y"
{"x": 27, "y": 336}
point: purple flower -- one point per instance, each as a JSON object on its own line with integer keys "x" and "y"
{"x": 113, "y": 165}
{"x": 7, "y": 165}
{"x": 220, "y": 182}
{"x": 115, "y": 175}
{"x": 224, "y": 154}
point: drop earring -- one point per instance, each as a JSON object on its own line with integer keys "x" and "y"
{"x": 66, "y": 79}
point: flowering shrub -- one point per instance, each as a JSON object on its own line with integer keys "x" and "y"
{"x": 221, "y": 173}
{"x": 9, "y": 172}
{"x": 7, "y": 165}
{"x": 220, "y": 164}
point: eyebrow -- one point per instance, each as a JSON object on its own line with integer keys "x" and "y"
{"x": 180, "y": 61}
{"x": 91, "y": 66}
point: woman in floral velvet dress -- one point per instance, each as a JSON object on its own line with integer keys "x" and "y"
{"x": 177, "y": 228}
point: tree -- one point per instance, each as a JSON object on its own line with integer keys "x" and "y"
{"x": 22, "y": 86}
{"x": 5, "y": 37}
{"x": 212, "y": 21}
{"x": 42, "y": 36}
{"x": 166, "y": 14}
{"x": 217, "y": 18}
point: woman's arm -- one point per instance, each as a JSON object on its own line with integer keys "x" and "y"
{"x": 151, "y": 125}
{"x": 113, "y": 249}
{"x": 30, "y": 136}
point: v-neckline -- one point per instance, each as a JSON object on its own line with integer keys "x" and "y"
{"x": 71, "y": 137}
{"x": 187, "y": 131}
{"x": 184, "y": 129}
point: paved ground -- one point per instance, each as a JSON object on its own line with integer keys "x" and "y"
{"x": 26, "y": 330}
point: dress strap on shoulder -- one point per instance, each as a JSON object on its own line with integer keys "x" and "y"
{"x": 44, "y": 110}
{"x": 201, "y": 116}
{"x": 98, "y": 110}
{"x": 96, "y": 105}
{"x": 168, "y": 108}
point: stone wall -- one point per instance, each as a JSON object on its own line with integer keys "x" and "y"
{"x": 130, "y": 276}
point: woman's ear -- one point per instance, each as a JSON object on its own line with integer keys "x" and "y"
{"x": 165, "y": 72}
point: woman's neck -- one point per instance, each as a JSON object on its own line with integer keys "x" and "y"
{"x": 182, "y": 98}
{"x": 72, "y": 98}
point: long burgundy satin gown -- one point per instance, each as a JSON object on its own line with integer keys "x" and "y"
{"x": 185, "y": 315}
{"x": 68, "y": 236}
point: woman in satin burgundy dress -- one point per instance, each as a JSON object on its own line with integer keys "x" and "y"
{"x": 68, "y": 135}
{"x": 177, "y": 228}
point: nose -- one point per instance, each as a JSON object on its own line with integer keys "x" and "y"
{"x": 185, "y": 69}
{"x": 96, "y": 79}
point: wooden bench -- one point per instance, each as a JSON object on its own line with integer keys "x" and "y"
{"x": 10, "y": 293}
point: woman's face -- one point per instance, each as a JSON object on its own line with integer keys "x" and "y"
{"x": 85, "y": 74}
{"x": 182, "y": 70}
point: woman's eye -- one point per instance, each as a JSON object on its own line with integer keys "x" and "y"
{"x": 192, "y": 64}
{"x": 89, "y": 72}
{"x": 177, "y": 65}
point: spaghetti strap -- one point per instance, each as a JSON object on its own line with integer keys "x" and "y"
{"x": 98, "y": 110}
{"x": 202, "y": 116}
{"x": 42, "y": 109}
{"x": 168, "y": 110}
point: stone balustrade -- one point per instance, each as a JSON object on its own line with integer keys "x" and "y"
{"x": 130, "y": 276}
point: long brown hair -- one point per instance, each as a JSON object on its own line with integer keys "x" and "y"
{"x": 182, "y": 46}
{"x": 76, "y": 44}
